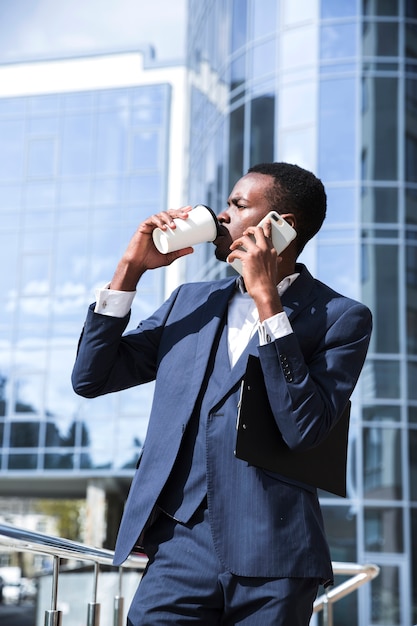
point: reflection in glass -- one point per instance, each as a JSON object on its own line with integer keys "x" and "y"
{"x": 11, "y": 149}
{"x": 341, "y": 205}
{"x": 77, "y": 145}
{"x": 412, "y": 377}
{"x": 380, "y": 127}
{"x": 300, "y": 11}
{"x": 261, "y": 133}
{"x": 341, "y": 529}
{"x": 24, "y": 434}
{"x": 383, "y": 262}
{"x": 384, "y": 529}
{"x": 412, "y": 456}
{"x": 341, "y": 8}
{"x": 336, "y": 124}
{"x": 382, "y": 463}
{"x": 338, "y": 41}
{"x": 144, "y": 153}
{"x": 264, "y": 18}
{"x": 380, "y": 39}
{"x": 236, "y": 145}
{"x": 383, "y": 413}
{"x": 381, "y": 379}
{"x": 22, "y": 461}
{"x": 293, "y": 109}
{"x": 75, "y": 193}
{"x": 264, "y": 59}
{"x": 10, "y": 197}
{"x": 294, "y": 43}
{"x": 385, "y": 595}
{"x": 41, "y": 157}
{"x": 380, "y": 204}
{"x": 35, "y": 274}
{"x": 239, "y": 24}
{"x": 336, "y": 267}
{"x": 111, "y": 142}
{"x": 340, "y": 523}
{"x": 146, "y": 187}
{"x": 44, "y": 104}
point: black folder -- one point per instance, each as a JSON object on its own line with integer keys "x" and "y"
{"x": 259, "y": 441}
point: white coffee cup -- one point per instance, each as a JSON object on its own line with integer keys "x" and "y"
{"x": 200, "y": 226}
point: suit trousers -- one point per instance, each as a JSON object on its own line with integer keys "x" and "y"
{"x": 185, "y": 583}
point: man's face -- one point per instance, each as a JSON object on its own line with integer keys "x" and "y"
{"x": 247, "y": 205}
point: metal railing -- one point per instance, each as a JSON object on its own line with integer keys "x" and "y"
{"x": 20, "y": 540}
{"x": 358, "y": 576}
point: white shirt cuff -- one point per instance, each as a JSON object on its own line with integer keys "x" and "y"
{"x": 273, "y": 328}
{"x": 113, "y": 303}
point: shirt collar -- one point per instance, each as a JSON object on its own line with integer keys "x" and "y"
{"x": 282, "y": 285}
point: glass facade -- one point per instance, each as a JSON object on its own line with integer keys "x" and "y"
{"x": 332, "y": 86}
{"x": 78, "y": 172}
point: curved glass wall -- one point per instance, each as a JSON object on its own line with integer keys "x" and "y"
{"x": 332, "y": 86}
{"x": 78, "y": 171}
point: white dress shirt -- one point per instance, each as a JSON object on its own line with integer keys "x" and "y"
{"x": 242, "y": 316}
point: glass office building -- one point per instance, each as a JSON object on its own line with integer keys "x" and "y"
{"x": 332, "y": 85}
{"x": 84, "y": 157}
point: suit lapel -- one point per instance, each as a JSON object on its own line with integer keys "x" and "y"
{"x": 294, "y": 300}
{"x": 212, "y": 317}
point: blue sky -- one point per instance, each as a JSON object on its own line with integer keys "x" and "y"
{"x": 45, "y": 28}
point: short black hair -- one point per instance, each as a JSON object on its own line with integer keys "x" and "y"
{"x": 298, "y": 191}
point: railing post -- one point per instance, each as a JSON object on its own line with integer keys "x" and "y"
{"x": 93, "y": 615}
{"x": 118, "y": 606}
{"x": 54, "y": 617}
{"x": 327, "y": 611}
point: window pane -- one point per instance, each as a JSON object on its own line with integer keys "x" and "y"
{"x": 264, "y": 17}
{"x": 381, "y": 463}
{"x": 338, "y": 41}
{"x": 341, "y": 8}
{"x": 381, "y": 379}
{"x": 412, "y": 378}
{"x": 380, "y": 205}
{"x": 77, "y": 145}
{"x": 337, "y": 128}
{"x": 412, "y": 459}
{"x": 380, "y": 129}
{"x": 383, "y": 530}
{"x": 264, "y": 59}
{"x": 341, "y": 205}
{"x": 24, "y": 434}
{"x": 382, "y": 264}
{"x": 340, "y": 524}
{"x": 111, "y": 142}
{"x": 239, "y": 24}
{"x": 262, "y": 124}
{"x": 382, "y": 413}
{"x": 11, "y": 148}
{"x": 385, "y": 597}
{"x": 236, "y": 145}
{"x": 41, "y": 157}
{"x": 144, "y": 150}
{"x": 336, "y": 267}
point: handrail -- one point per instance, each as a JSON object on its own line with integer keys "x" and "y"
{"x": 359, "y": 575}
{"x": 22, "y": 540}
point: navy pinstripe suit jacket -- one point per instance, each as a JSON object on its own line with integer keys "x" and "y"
{"x": 263, "y": 524}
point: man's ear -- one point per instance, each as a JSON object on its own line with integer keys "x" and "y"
{"x": 290, "y": 218}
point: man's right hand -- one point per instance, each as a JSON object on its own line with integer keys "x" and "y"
{"x": 141, "y": 253}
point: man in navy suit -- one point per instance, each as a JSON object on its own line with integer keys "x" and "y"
{"x": 228, "y": 543}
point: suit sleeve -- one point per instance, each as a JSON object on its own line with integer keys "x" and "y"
{"x": 108, "y": 360}
{"x": 309, "y": 388}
